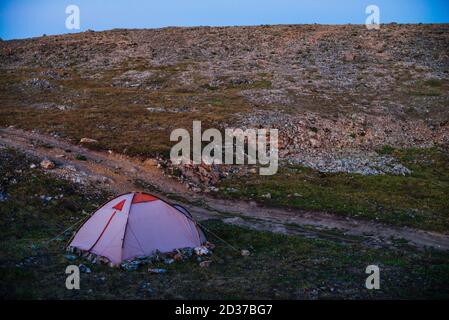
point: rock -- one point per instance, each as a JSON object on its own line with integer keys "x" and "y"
{"x": 150, "y": 162}
{"x": 156, "y": 109}
{"x": 51, "y": 105}
{"x": 186, "y": 252}
{"x": 84, "y": 269}
{"x": 47, "y": 164}
{"x": 32, "y": 166}
{"x": 266, "y": 195}
{"x": 349, "y": 56}
{"x": 70, "y": 167}
{"x": 201, "y": 251}
{"x": 3, "y": 196}
{"x": 233, "y": 220}
{"x": 88, "y": 140}
{"x": 80, "y": 157}
{"x": 39, "y": 84}
{"x": 205, "y": 264}
{"x": 209, "y": 245}
{"x": 314, "y": 143}
{"x": 131, "y": 265}
{"x": 177, "y": 257}
{"x": 245, "y": 253}
{"x": 157, "y": 270}
{"x": 147, "y": 287}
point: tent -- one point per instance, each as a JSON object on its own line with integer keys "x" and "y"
{"x": 137, "y": 224}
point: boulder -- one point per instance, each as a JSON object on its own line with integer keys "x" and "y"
{"x": 88, "y": 140}
{"x": 349, "y": 56}
{"x": 157, "y": 270}
{"x": 150, "y": 162}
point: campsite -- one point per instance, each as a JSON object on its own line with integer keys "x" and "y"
{"x": 285, "y": 261}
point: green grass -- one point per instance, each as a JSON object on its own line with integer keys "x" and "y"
{"x": 80, "y": 157}
{"x": 117, "y": 117}
{"x": 430, "y": 87}
{"x": 418, "y": 200}
{"x": 280, "y": 266}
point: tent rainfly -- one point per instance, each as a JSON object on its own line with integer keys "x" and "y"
{"x": 137, "y": 224}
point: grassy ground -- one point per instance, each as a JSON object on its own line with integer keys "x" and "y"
{"x": 280, "y": 266}
{"x": 119, "y": 118}
{"x": 418, "y": 200}
{"x": 120, "y": 121}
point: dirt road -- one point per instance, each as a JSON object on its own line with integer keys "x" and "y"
{"x": 120, "y": 174}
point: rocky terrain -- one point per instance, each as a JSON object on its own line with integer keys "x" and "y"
{"x": 337, "y": 94}
{"x": 363, "y": 124}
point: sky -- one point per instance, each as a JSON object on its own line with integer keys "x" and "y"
{"x": 30, "y": 18}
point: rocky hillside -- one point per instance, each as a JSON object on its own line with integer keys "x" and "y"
{"x": 337, "y": 93}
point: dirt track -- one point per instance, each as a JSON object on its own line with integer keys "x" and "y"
{"x": 119, "y": 174}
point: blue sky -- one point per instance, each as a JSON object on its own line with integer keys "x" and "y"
{"x": 29, "y": 18}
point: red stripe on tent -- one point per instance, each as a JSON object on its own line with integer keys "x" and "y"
{"x": 119, "y": 206}
{"x": 142, "y": 197}
{"x": 104, "y": 229}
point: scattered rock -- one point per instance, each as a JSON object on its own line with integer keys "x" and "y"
{"x": 186, "y": 252}
{"x": 349, "y": 56}
{"x": 156, "y": 109}
{"x": 146, "y": 286}
{"x": 314, "y": 143}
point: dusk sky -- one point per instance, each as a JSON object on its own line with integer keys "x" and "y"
{"x": 30, "y": 18}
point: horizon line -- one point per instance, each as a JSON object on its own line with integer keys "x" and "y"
{"x": 87, "y": 30}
